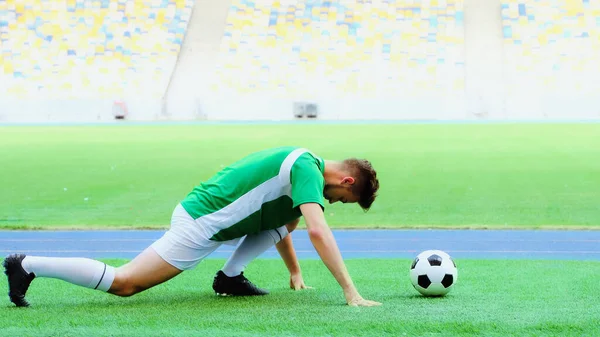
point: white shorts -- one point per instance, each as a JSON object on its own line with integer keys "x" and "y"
{"x": 186, "y": 243}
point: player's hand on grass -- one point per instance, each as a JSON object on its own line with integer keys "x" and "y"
{"x": 297, "y": 282}
{"x": 358, "y": 301}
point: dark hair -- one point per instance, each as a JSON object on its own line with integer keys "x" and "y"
{"x": 366, "y": 183}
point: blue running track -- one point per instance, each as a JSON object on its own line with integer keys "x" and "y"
{"x": 477, "y": 244}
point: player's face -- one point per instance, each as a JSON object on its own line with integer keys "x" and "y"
{"x": 343, "y": 193}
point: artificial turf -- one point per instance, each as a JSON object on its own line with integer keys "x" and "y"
{"x": 431, "y": 175}
{"x": 491, "y": 298}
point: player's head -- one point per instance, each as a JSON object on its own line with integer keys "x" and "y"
{"x": 355, "y": 181}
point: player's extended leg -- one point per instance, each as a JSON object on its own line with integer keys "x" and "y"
{"x": 146, "y": 270}
{"x": 143, "y": 272}
{"x": 231, "y": 280}
{"x": 181, "y": 248}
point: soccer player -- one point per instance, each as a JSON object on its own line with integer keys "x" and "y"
{"x": 258, "y": 199}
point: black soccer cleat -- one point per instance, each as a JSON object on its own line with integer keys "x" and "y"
{"x": 235, "y": 286}
{"x": 18, "y": 279}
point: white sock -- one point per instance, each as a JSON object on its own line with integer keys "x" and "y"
{"x": 251, "y": 247}
{"x": 82, "y": 272}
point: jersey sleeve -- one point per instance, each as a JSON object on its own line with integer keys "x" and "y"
{"x": 307, "y": 181}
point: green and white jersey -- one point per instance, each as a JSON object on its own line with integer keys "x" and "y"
{"x": 261, "y": 191}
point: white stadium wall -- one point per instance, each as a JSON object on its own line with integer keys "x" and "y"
{"x": 72, "y": 61}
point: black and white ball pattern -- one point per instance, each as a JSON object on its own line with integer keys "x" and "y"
{"x": 433, "y": 273}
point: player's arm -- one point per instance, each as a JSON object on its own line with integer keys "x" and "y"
{"x": 322, "y": 238}
{"x": 285, "y": 247}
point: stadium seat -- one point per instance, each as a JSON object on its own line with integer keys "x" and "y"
{"x": 357, "y": 46}
{"x": 68, "y": 48}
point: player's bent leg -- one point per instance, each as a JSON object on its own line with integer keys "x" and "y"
{"x": 292, "y": 225}
{"x": 231, "y": 280}
{"x": 143, "y": 272}
{"x": 251, "y": 247}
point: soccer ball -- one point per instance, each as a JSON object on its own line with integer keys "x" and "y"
{"x": 433, "y": 273}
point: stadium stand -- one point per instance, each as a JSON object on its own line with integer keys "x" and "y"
{"x": 357, "y": 46}
{"x": 552, "y": 45}
{"x": 81, "y": 48}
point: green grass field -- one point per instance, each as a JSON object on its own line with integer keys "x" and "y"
{"x": 491, "y": 298}
{"x": 448, "y": 176}
{"x": 479, "y": 175}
